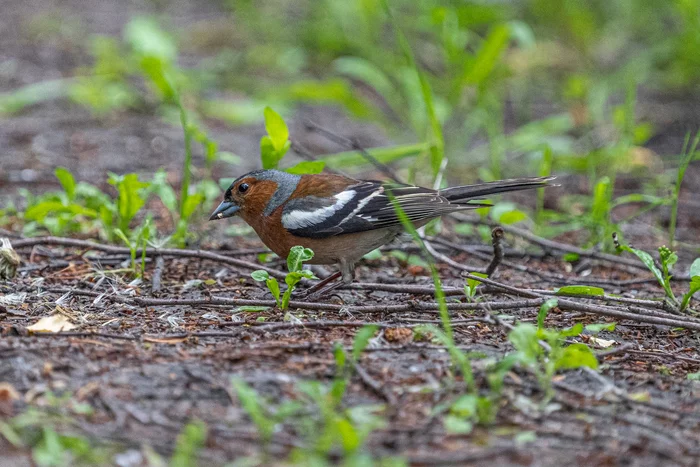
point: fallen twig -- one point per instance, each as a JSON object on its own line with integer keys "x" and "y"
{"x": 88, "y": 245}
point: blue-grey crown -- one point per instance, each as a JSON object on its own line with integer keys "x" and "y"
{"x": 286, "y": 184}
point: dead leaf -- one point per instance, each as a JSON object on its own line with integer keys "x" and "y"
{"x": 603, "y": 343}
{"x": 165, "y": 340}
{"x": 398, "y": 335}
{"x": 54, "y": 323}
{"x": 9, "y": 260}
{"x": 8, "y": 392}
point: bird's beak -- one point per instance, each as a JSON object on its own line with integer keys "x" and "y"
{"x": 225, "y": 209}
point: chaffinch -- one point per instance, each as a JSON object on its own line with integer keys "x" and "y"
{"x": 342, "y": 219}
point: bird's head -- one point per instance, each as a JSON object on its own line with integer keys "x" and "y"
{"x": 255, "y": 194}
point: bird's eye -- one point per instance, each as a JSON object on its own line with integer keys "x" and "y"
{"x": 243, "y": 187}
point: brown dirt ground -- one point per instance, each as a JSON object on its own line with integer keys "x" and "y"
{"x": 146, "y": 371}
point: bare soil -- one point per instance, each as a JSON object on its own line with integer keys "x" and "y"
{"x": 146, "y": 370}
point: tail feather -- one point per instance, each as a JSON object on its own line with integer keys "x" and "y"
{"x": 467, "y": 192}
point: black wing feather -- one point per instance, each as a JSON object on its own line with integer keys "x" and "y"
{"x": 372, "y": 207}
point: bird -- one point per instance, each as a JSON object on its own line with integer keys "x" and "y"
{"x": 341, "y": 219}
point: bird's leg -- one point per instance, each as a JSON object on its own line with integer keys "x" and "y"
{"x": 347, "y": 274}
{"x": 320, "y": 285}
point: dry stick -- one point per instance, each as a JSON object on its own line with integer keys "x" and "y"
{"x": 373, "y": 384}
{"x": 615, "y": 313}
{"x": 656, "y": 318}
{"x": 75, "y": 243}
{"x": 617, "y": 350}
{"x": 546, "y": 275}
{"x": 496, "y": 241}
{"x": 635, "y": 314}
{"x": 552, "y": 245}
{"x": 411, "y": 306}
{"x": 609, "y": 298}
{"x": 157, "y": 274}
{"x": 496, "y": 259}
{"x": 447, "y": 260}
{"x": 122, "y": 337}
{"x": 402, "y": 308}
{"x": 641, "y": 315}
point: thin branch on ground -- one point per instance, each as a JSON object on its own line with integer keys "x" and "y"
{"x": 88, "y": 245}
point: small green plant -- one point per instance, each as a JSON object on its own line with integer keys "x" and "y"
{"x": 82, "y": 207}
{"x": 38, "y": 429}
{"x": 266, "y": 417}
{"x": 543, "y": 351}
{"x": 472, "y": 284}
{"x": 295, "y": 263}
{"x": 141, "y": 237}
{"x": 318, "y": 415}
{"x": 663, "y": 273}
{"x": 276, "y": 144}
{"x": 687, "y": 154}
{"x": 694, "y": 284}
{"x": 132, "y": 195}
{"x": 189, "y": 443}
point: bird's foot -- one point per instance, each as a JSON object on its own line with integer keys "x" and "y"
{"x": 321, "y": 288}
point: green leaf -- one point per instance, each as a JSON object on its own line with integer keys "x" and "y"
{"x": 307, "y": 167}
{"x": 457, "y": 425}
{"x": 190, "y": 442}
{"x": 276, "y": 129}
{"x": 571, "y": 257}
{"x": 525, "y": 437}
{"x": 148, "y": 39}
{"x": 123, "y": 237}
{"x": 349, "y": 437}
{"x": 251, "y": 309}
{"x": 40, "y": 211}
{"x": 576, "y": 356}
{"x": 434, "y": 134}
{"x": 269, "y": 156}
{"x": 260, "y": 275}
{"x": 373, "y": 255}
{"x": 465, "y": 406}
{"x": 362, "y": 340}
{"x": 340, "y": 357}
{"x": 524, "y": 338}
{"x": 694, "y": 288}
{"x": 693, "y": 376}
{"x": 192, "y": 202}
{"x": 473, "y": 283}
{"x": 598, "y": 327}
{"x": 49, "y": 452}
{"x": 695, "y": 268}
{"x": 648, "y": 262}
{"x": 544, "y": 309}
{"x": 573, "y": 331}
{"x": 488, "y": 55}
{"x": 580, "y": 290}
{"x": 512, "y": 217}
{"x": 274, "y": 287}
{"x": 297, "y": 256}
{"x": 250, "y": 402}
{"x": 130, "y": 200}
{"x": 67, "y": 181}
{"x": 164, "y": 191}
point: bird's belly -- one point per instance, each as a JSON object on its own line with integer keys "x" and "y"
{"x": 329, "y": 250}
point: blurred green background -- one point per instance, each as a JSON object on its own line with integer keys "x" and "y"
{"x": 602, "y": 93}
